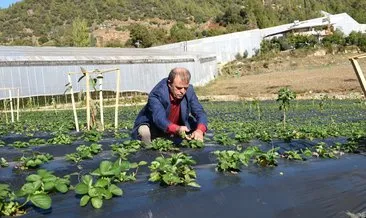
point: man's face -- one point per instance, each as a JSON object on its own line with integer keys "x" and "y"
{"x": 178, "y": 87}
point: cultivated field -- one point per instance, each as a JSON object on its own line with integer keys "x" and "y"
{"x": 309, "y": 76}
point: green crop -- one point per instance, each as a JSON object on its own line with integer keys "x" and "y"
{"x": 96, "y": 192}
{"x": 174, "y": 170}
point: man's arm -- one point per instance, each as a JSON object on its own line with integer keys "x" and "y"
{"x": 157, "y": 112}
{"x": 199, "y": 113}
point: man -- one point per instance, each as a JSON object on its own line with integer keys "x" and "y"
{"x": 172, "y": 110}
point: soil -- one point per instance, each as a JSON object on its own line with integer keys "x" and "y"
{"x": 310, "y": 76}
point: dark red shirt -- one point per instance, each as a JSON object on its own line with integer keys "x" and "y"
{"x": 174, "y": 117}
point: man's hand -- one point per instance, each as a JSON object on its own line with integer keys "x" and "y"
{"x": 197, "y": 135}
{"x": 182, "y": 130}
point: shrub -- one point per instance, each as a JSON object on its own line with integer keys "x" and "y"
{"x": 337, "y": 38}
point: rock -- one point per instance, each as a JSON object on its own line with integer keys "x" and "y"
{"x": 320, "y": 53}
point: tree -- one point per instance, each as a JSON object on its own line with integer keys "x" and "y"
{"x": 179, "y": 33}
{"x": 80, "y": 33}
{"x": 285, "y": 95}
{"x": 141, "y": 36}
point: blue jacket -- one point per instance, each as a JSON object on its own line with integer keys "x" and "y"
{"x": 157, "y": 109}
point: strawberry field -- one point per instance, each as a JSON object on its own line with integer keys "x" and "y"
{"x": 259, "y": 158}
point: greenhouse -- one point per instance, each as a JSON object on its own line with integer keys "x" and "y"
{"x": 43, "y": 71}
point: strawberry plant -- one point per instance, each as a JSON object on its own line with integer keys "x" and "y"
{"x": 49, "y": 182}
{"x": 32, "y": 191}
{"x": 37, "y": 141}
{"x": 121, "y": 135}
{"x": 84, "y": 152}
{"x": 263, "y": 135}
{"x": 232, "y": 161}
{"x": 268, "y": 158}
{"x": 92, "y": 136}
{"x": 349, "y": 147}
{"x": 61, "y": 139}
{"x": 35, "y": 161}
{"x": 228, "y": 161}
{"x": 2, "y": 143}
{"x": 20, "y": 144}
{"x": 292, "y": 155}
{"x": 224, "y": 139}
{"x": 117, "y": 171}
{"x": 3, "y": 162}
{"x": 126, "y": 148}
{"x": 8, "y": 205}
{"x": 174, "y": 170}
{"x": 306, "y": 152}
{"x": 321, "y": 150}
{"x": 243, "y": 136}
{"x": 192, "y": 143}
{"x": 39, "y": 185}
{"x": 162, "y": 144}
{"x": 96, "y": 192}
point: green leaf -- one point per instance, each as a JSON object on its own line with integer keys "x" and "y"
{"x": 194, "y": 184}
{"x": 84, "y": 200}
{"x": 48, "y": 186}
{"x": 28, "y": 188}
{"x": 41, "y": 200}
{"x": 33, "y": 178}
{"x": 37, "y": 185}
{"x": 87, "y": 179}
{"x": 97, "y": 202}
{"x": 125, "y": 165}
{"x": 102, "y": 183}
{"x": 93, "y": 192}
{"x": 105, "y": 166}
{"x": 50, "y": 178}
{"x": 61, "y": 187}
{"x": 141, "y": 163}
{"x": 81, "y": 189}
{"x": 107, "y": 194}
{"x": 115, "y": 190}
{"x": 154, "y": 177}
{"x": 30, "y": 163}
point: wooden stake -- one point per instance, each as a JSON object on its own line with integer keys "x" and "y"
{"x": 18, "y": 103}
{"x": 101, "y": 99}
{"x": 359, "y": 74}
{"x": 73, "y": 105}
{"x": 117, "y": 97}
{"x": 87, "y": 78}
{"x": 11, "y": 107}
{"x": 6, "y": 114}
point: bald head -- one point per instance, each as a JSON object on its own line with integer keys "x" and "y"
{"x": 182, "y": 72}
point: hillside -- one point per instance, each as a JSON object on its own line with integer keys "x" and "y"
{"x": 310, "y": 75}
{"x": 152, "y": 22}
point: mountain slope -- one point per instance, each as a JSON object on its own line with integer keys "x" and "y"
{"x": 36, "y": 22}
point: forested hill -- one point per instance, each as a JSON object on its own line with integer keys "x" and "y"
{"x": 50, "y": 22}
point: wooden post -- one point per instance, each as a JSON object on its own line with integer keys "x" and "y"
{"x": 359, "y": 73}
{"x": 73, "y": 104}
{"x": 11, "y": 107}
{"x": 100, "y": 79}
{"x": 87, "y": 78}
{"x": 18, "y": 103}
{"x": 6, "y": 114}
{"x": 117, "y": 97}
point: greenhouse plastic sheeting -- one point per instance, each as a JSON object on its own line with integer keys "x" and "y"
{"x": 43, "y": 71}
{"x": 227, "y": 47}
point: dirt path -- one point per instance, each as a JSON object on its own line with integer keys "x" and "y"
{"x": 312, "y": 76}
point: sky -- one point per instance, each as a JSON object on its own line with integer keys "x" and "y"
{"x": 7, "y": 3}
